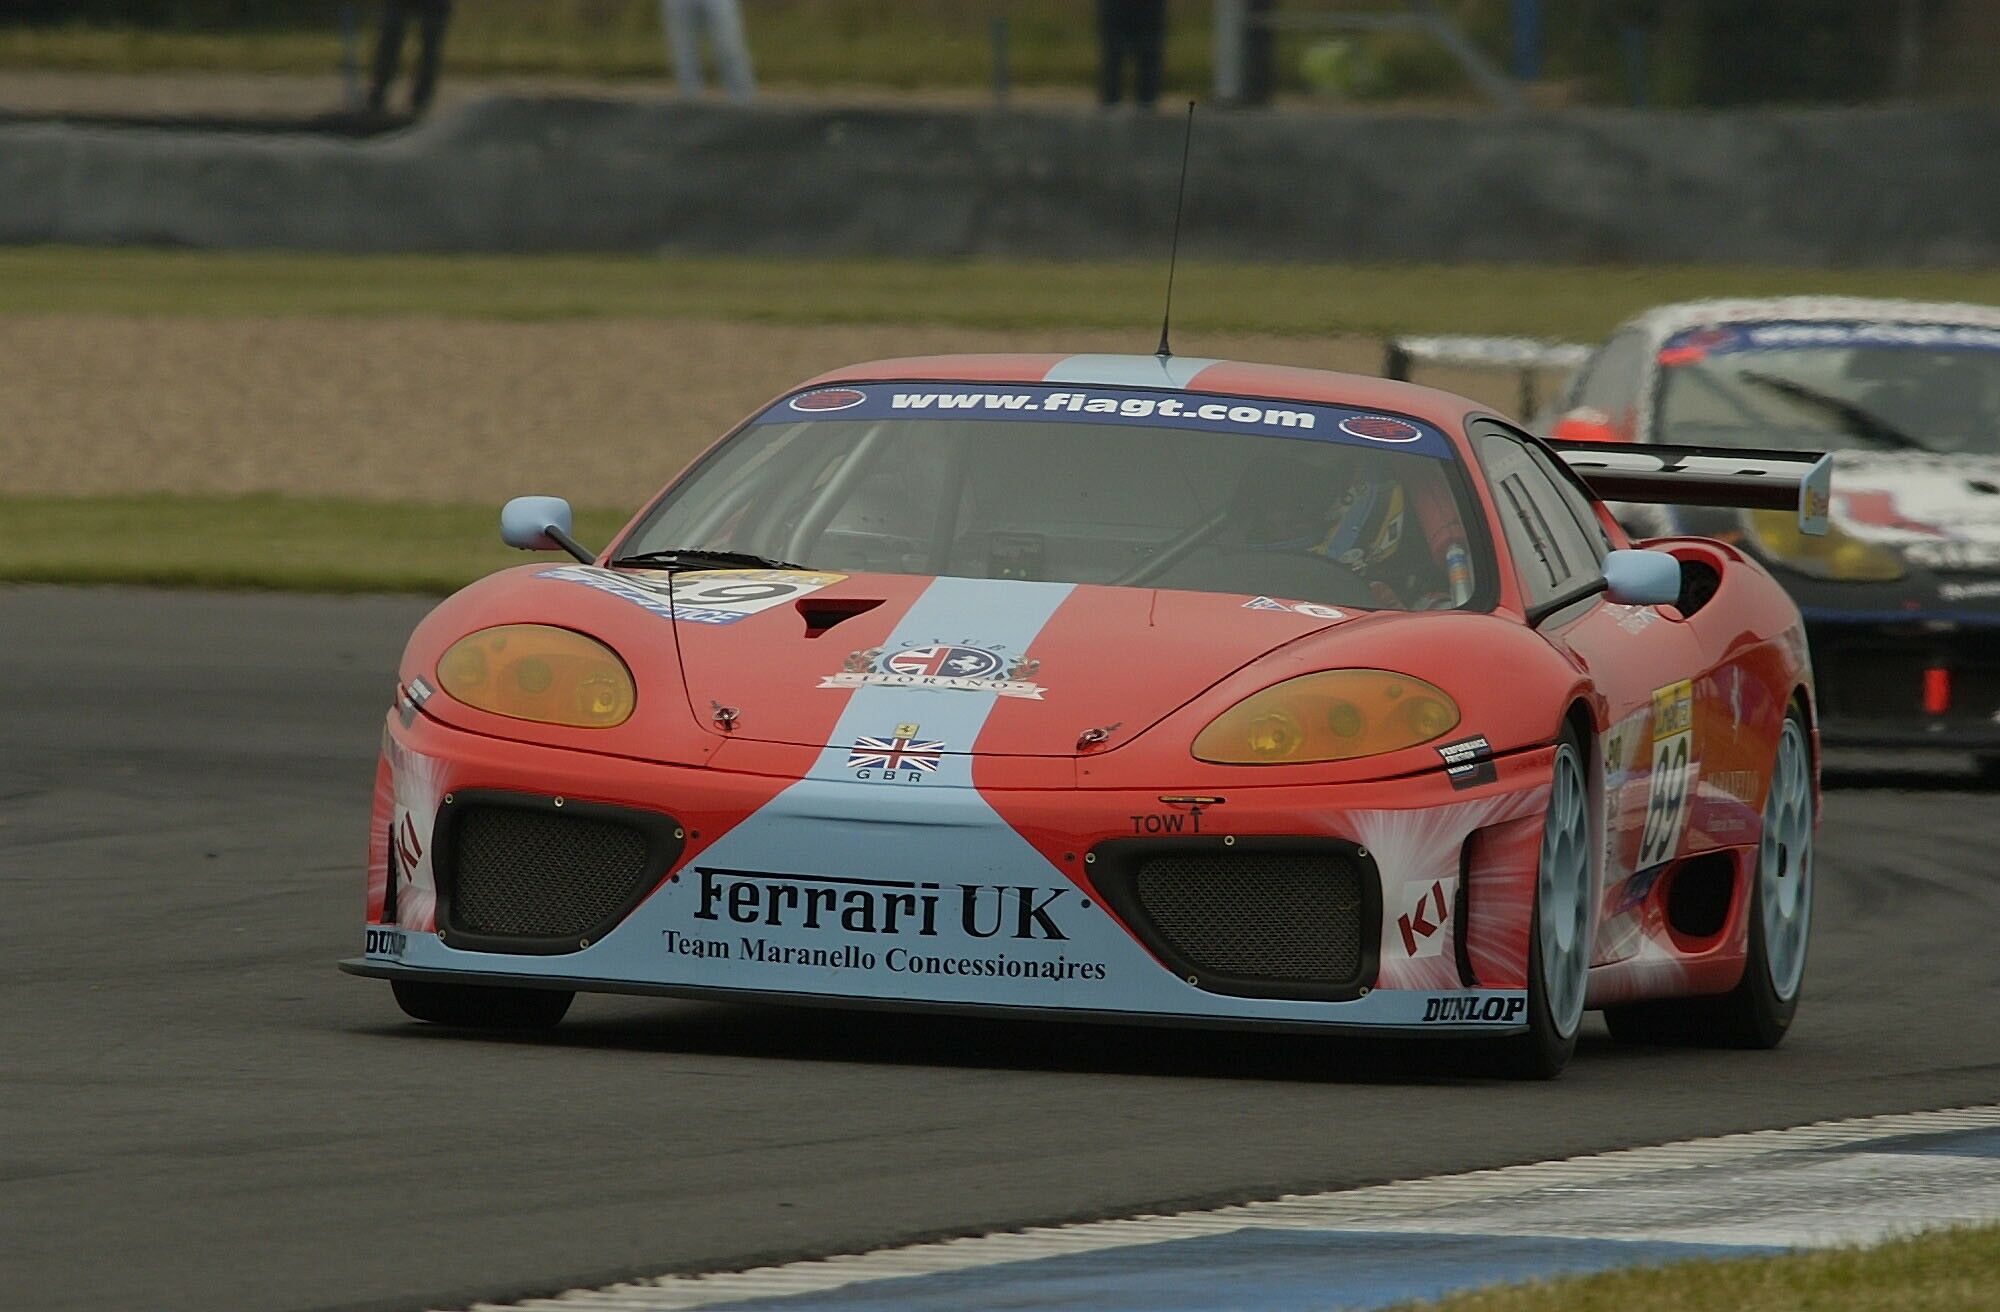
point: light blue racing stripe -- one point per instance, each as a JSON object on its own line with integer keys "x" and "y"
{"x": 1129, "y": 370}
{"x": 1003, "y": 616}
{"x": 1972, "y": 1143}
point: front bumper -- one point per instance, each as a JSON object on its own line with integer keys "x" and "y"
{"x": 818, "y": 888}
{"x": 1872, "y": 678}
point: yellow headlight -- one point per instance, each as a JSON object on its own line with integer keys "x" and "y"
{"x": 1832, "y": 555}
{"x": 540, "y": 673}
{"x": 1335, "y": 716}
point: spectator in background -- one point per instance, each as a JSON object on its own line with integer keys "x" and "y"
{"x": 684, "y": 20}
{"x": 1134, "y": 31}
{"x": 432, "y": 15}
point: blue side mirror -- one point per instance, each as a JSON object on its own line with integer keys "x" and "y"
{"x": 1642, "y": 578}
{"x": 539, "y": 524}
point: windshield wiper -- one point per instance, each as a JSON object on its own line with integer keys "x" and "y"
{"x": 1860, "y": 422}
{"x": 701, "y": 558}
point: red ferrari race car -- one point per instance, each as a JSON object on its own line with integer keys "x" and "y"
{"x": 1121, "y": 688}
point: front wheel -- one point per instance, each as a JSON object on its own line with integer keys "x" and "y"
{"x": 1559, "y": 943}
{"x": 1758, "y": 1011}
{"x": 481, "y": 1006}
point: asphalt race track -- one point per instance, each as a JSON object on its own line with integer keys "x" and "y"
{"x": 198, "y": 1112}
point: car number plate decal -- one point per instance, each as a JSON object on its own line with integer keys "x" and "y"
{"x": 1669, "y": 786}
{"x": 708, "y": 596}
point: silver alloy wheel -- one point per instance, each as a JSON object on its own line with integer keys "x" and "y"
{"x": 1563, "y": 894}
{"x": 1785, "y": 863}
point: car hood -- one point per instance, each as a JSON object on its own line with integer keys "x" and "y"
{"x": 981, "y": 666}
{"x": 1011, "y": 671}
{"x": 1906, "y": 498}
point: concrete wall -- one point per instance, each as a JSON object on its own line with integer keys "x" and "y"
{"x": 1913, "y": 186}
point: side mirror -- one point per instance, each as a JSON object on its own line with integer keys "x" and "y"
{"x": 1642, "y": 578}
{"x": 540, "y": 524}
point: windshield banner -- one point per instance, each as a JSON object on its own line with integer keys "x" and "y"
{"x": 1698, "y": 344}
{"x": 1124, "y": 407}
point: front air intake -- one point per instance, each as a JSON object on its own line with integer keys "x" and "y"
{"x": 1263, "y": 917}
{"x": 518, "y": 873}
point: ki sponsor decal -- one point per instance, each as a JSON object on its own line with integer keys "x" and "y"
{"x": 709, "y": 596}
{"x": 387, "y": 942}
{"x": 1464, "y": 1009}
{"x": 956, "y": 666}
{"x": 1422, "y": 927}
{"x": 898, "y": 758}
{"x": 409, "y": 850}
{"x": 1308, "y": 608}
{"x": 1669, "y": 788}
{"x": 1468, "y": 762}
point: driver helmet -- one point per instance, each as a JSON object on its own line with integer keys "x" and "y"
{"x": 1365, "y": 524}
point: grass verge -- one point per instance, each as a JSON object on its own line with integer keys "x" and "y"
{"x": 287, "y": 543}
{"x": 1580, "y": 303}
{"x": 1949, "y": 1271}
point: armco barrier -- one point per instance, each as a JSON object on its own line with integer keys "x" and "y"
{"x": 1915, "y": 186}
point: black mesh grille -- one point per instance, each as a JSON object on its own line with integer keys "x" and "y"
{"x": 537, "y": 874}
{"x": 1282, "y": 916}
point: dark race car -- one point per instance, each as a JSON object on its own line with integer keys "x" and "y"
{"x": 1902, "y": 599}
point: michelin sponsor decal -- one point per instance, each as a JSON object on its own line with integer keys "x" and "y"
{"x": 709, "y": 596}
{"x": 1115, "y": 406}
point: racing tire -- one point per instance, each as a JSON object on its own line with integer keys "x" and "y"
{"x": 1759, "y": 1010}
{"x": 481, "y": 1006}
{"x": 1559, "y": 933}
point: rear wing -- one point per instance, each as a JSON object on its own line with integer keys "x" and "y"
{"x": 1706, "y": 476}
{"x": 1528, "y": 357}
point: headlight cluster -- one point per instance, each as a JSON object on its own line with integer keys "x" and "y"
{"x": 1334, "y": 716}
{"x": 541, "y": 673}
{"x": 1833, "y": 555}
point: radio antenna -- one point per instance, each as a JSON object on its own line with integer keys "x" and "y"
{"x": 1166, "y": 351}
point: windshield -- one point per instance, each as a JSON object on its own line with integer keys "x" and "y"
{"x": 1217, "y": 494}
{"x": 1836, "y": 384}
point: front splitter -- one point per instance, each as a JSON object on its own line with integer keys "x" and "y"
{"x": 1500, "y": 1002}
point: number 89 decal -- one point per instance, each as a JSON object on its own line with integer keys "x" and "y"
{"x": 1672, "y": 778}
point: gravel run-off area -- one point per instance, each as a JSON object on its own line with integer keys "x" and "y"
{"x": 452, "y": 410}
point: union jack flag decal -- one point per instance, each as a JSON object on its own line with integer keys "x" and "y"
{"x": 896, "y": 754}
